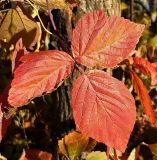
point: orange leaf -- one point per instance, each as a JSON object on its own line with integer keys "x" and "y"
{"x": 39, "y": 73}
{"x": 73, "y": 144}
{"x": 103, "y": 108}
{"x": 143, "y": 96}
{"x": 101, "y": 41}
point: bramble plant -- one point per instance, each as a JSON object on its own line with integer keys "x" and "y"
{"x": 103, "y": 107}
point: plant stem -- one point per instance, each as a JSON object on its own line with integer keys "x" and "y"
{"x": 79, "y": 69}
{"x": 24, "y": 132}
{"x": 115, "y": 155}
{"x": 131, "y": 9}
{"x": 38, "y": 16}
{"x": 50, "y": 15}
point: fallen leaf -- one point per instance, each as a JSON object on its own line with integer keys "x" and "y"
{"x": 17, "y": 25}
{"x": 103, "y": 108}
{"x": 101, "y": 41}
{"x": 39, "y": 73}
{"x": 143, "y": 96}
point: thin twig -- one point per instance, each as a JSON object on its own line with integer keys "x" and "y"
{"x": 108, "y": 152}
{"x": 115, "y": 155}
{"x": 55, "y": 29}
{"x": 79, "y": 68}
{"x": 38, "y": 16}
{"x": 24, "y": 132}
{"x": 131, "y": 10}
{"x": 51, "y": 15}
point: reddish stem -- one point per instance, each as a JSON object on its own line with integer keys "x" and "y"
{"x": 51, "y": 16}
{"x": 79, "y": 69}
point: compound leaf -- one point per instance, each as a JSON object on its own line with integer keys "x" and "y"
{"x": 39, "y": 73}
{"x": 101, "y": 41}
{"x": 103, "y": 108}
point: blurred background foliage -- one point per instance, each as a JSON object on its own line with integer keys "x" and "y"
{"x": 43, "y": 123}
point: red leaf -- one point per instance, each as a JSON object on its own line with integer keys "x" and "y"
{"x": 143, "y": 65}
{"x": 38, "y": 74}
{"x": 101, "y": 41}
{"x": 143, "y": 96}
{"x": 19, "y": 51}
{"x": 35, "y": 154}
{"x": 146, "y": 68}
{"x": 103, "y": 108}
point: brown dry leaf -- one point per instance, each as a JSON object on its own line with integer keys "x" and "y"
{"x": 73, "y": 144}
{"x": 17, "y": 25}
{"x": 91, "y": 144}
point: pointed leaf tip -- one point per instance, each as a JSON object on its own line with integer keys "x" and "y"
{"x": 103, "y": 108}
{"x": 101, "y": 41}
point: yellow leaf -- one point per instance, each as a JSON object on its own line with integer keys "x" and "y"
{"x": 123, "y": 6}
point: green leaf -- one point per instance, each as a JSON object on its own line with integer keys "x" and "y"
{"x": 96, "y": 156}
{"x": 153, "y": 41}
